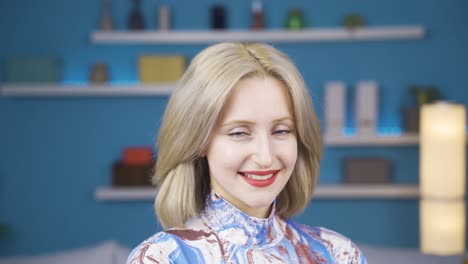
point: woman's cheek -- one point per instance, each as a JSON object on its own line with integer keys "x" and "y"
{"x": 289, "y": 151}
{"x": 233, "y": 153}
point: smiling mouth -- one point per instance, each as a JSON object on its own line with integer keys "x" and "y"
{"x": 260, "y": 179}
{"x": 256, "y": 177}
{"x": 259, "y": 175}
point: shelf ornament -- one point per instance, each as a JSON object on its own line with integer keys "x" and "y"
{"x": 106, "y": 18}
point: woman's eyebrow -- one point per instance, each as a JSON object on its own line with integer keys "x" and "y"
{"x": 232, "y": 122}
{"x": 287, "y": 118}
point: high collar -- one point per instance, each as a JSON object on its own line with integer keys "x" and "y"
{"x": 237, "y": 227}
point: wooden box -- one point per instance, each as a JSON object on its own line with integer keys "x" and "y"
{"x": 131, "y": 175}
{"x": 366, "y": 170}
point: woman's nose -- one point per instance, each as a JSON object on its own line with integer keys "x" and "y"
{"x": 263, "y": 155}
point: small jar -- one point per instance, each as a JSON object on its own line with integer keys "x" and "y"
{"x": 99, "y": 74}
{"x": 295, "y": 19}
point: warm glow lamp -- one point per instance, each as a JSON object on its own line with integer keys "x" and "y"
{"x": 442, "y": 179}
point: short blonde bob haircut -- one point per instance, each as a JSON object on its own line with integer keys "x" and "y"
{"x": 182, "y": 172}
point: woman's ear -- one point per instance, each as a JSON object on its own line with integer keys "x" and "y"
{"x": 204, "y": 151}
{"x": 201, "y": 154}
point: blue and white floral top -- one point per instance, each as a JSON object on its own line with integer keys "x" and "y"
{"x": 224, "y": 234}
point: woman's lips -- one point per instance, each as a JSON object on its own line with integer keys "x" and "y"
{"x": 260, "y": 178}
{"x": 259, "y": 173}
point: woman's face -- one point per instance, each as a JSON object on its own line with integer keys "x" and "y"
{"x": 253, "y": 150}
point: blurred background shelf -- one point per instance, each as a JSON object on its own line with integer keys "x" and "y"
{"x": 307, "y": 35}
{"x": 408, "y": 139}
{"x": 324, "y": 191}
{"x": 367, "y": 191}
{"x": 44, "y": 90}
{"x": 349, "y": 141}
{"x": 125, "y": 194}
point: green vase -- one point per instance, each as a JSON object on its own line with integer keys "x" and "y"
{"x": 295, "y": 19}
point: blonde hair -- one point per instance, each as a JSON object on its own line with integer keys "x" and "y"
{"x": 182, "y": 173}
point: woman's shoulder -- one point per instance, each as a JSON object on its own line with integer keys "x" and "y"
{"x": 173, "y": 245}
{"x": 155, "y": 249}
{"x": 341, "y": 247}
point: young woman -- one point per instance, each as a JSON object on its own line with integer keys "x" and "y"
{"x": 239, "y": 151}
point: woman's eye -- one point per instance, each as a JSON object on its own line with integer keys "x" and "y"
{"x": 282, "y": 132}
{"x": 238, "y": 134}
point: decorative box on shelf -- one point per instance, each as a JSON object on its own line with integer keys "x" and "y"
{"x": 370, "y": 170}
{"x": 135, "y": 168}
{"x": 33, "y": 69}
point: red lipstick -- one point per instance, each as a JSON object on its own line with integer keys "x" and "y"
{"x": 260, "y": 173}
{"x": 260, "y": 183}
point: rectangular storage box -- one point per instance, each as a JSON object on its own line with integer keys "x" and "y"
{"x": 32, "y": 70}
{"x": 366, "y": 170}
{"x": 131, "y": 175}
{"x": 160, "y": 68}
{"x": 137, "y": 156}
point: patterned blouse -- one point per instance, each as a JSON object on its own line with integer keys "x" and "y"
{"x": 224, "y": 234}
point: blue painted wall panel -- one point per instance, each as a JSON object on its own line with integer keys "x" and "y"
{"x": 55, "y": 152}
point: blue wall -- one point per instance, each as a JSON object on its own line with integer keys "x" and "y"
{"x": 55, "y": 152}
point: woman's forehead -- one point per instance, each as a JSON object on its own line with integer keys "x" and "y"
{"x": 254, "y": 97}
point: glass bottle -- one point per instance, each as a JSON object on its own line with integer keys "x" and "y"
{"x": 218, "y": 17}
{"x": 164, "y": 18}
{"x": 257, "y": 15}
{"x": 106, "y": 19}
{"x": 136, "y": 20}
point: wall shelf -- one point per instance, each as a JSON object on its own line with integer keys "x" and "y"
{"x": 367, "y": 191}
{"x": 306, "y": 35}
{"x": 350, "y": 141}
{"x": 335, "y": 191}
{"x": 44, "y": 90}
{"x": 125, "y": 194}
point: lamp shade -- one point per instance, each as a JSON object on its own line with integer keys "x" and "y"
{"x": 442, "y": 178}
{"x": 442, "y": 151}
{"x": 442, "y": 227}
